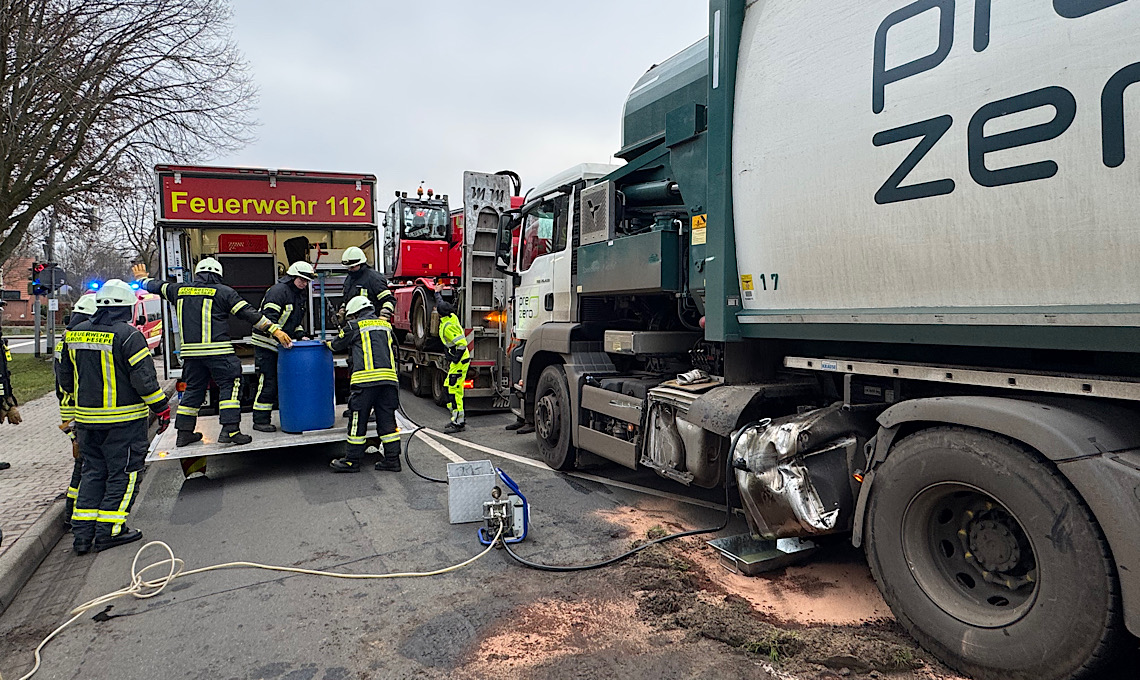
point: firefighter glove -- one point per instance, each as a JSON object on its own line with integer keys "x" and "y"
{"x": 163, "y": 419}
{"x": 283, "y": 338}
{"x": 139, "y": 271}
{"x": 13, "y": 415}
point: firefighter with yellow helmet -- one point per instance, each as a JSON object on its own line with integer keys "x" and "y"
{"x": 106, "y": 367}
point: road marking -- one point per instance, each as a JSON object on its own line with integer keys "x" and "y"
{"x": 580, "y": 475}
{"x": 25, "y": 343}
{"x": 408, "y": 426}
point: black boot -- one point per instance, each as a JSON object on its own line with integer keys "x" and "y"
{"x": 391, "y": 460}
{"x": 265, "y": 427}
{"x": 125, "y": 536}
{"x": 452, "y": 428}
{"x": 81, "y": 547}
{"x": 234, "y": 437}
{"x": 527, "y": 428}
{"x": 515, "y": 425}
{"x": 344, "y": 465}
{"x": 186, "y": 437}
{"x": 68, "y": 506}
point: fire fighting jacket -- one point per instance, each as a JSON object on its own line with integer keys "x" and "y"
{"x": 66, "y": 405}
{"x": 371, "y": 283}
{"x": 373, "y": 362}
{"x": 203, "y": 308}
{"x": 107, "y": 370}
{"x": 285, "y": 305}
{"x": 451, "y": 333}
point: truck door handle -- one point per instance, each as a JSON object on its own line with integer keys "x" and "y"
{"x": 548, "y": 302}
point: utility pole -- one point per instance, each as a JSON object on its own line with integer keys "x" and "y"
{"x": 53, "y": 304}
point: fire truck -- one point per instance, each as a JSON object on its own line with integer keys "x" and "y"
{"x": 429, "y": 250}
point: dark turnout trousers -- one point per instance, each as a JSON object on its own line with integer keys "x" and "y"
{"x": 112, "y": 459}
{"x": 265, "y": 361}
{"x": 225, "y": 369}
{"x": 362, "y": 401}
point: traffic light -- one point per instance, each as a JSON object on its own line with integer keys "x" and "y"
{"x": 38, "y": 287}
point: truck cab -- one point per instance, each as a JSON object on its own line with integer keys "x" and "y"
{"x": 418, "y": 237}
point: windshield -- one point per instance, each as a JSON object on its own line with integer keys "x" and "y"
{"x": 425, "y": 223}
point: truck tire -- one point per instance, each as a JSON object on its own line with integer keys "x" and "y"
{"x": 421, "y": 381}
{"x": 420, "y": 319}
{"x": 438, "y": 389}
{"x": 552, "y": 419}
{"x": 988, "y": 557}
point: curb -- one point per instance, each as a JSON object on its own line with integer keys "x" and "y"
{"x": 21, "y": 560}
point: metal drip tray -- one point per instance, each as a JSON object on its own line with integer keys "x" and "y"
{"x": 746, "y": 555}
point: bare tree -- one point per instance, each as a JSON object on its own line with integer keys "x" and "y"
{"x": 95, "y": 91}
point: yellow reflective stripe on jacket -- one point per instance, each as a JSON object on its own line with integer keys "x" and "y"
{"x": 186, "y": 290}
{"x": 187, "y": 410}
{"x": 121, "y": 414}
{"x": 139, "y": 356}
{"x": 374, "y": 375}
{"x": 107, "y": 364}
{"x": 206, "y": 349}
{"x": 366, "y": 345}
{"x": 263, "y": 341}
{"x": 272, "y": 305}
{"x": 154, "y": 397}
{"x": 241, "y": 304}
{"x": 89, "y": 337}
{"x": 207, "y": 320}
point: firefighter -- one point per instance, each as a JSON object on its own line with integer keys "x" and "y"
{"x": 373, "y": 386}
{"x": 364, "y": 280}
{"x": 455, "y": 344}
{"x": 284, "y": 304}
{"x": 106, "y": 367}
{"x": 204, "y": 307}
{"x": 9, "y": 408}
{"x": 83, "y": 310}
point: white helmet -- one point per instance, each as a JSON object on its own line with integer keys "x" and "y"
{"x": 302, "y": 269}
{"x": 115, "y": 293}
{"x": 353, "y": 256}
{"x": 85, "y": 304}
{"x": 357, "y": 305}
{"x": 209, "y": 264}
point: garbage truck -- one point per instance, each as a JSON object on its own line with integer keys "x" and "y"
{"x": 873, "y": 263}
{"x": 256, "y": 222}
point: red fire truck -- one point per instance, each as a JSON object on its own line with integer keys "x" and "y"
{"x": 427, "y": 250}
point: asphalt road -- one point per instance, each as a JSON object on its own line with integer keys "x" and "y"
{"x": 286, "y": 508}
{"x": 25, "y": 345}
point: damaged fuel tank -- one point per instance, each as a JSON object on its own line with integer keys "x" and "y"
{"x": 794, "y": 472}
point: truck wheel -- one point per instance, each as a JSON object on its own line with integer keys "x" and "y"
{"x": 421, "y": 320}
{"x": 438, "y": 389}
{"x": 552, "y": 419}
{"x": 421, "y": 381}
{"x": 990, "y": 559}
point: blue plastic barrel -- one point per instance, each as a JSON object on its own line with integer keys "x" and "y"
{"x": 305, "y": 387}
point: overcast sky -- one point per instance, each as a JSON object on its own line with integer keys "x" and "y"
{"x": 413, "y": 91}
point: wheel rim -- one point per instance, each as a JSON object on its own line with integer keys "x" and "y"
{"x": 970, "y": 555}
{"x": 547, "y": 419}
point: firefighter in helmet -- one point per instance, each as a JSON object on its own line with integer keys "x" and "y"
{"x": 204, "y": 306}
{"x": 363, "y": 280}
{"x": 285, "y": 304}
{"x": 83, "y": 310}
{"x": 373, "y": 387}
{"x": 106, "y": 367}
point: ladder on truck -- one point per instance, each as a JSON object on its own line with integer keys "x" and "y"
{"x": 486, "y": 290}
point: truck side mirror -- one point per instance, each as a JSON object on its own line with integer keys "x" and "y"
{"x": 507, "y": 222}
